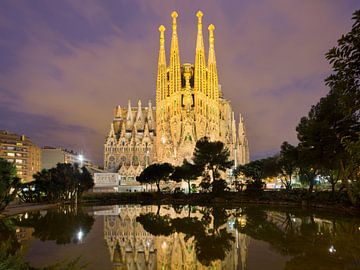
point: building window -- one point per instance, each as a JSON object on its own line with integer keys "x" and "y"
{"x": 10, "y": 154}
{"x": 19, "y": 161}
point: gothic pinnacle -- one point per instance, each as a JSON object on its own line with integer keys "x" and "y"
{"x": 199, "y": 14}
{"x": 174, "y": 67}
{"x": 162, "y": 37}
{"x": 200, "y": 66}
{"x": 211, "y": 34}
{"x": 174, "y": 15}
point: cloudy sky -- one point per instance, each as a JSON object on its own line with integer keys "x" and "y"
{"x": 64, "y": 65}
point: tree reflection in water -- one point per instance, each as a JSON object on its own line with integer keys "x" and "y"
{"x": 309, "y": 241}
{"x": 217, "y": 238}
{"x": 211, "y": 238}
{"x": 312, "y": 242}
{"x": 61, "y": 225}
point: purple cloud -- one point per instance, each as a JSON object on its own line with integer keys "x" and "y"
{"x": 65, "y": 65}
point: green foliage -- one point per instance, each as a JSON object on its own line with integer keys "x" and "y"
{"x": 155, "y": 173}
{"x": 9, "y": 183}
{"x": 218, "y": 187}
{"x": 345, "y": 60}
{"x": 335, "y": 118}
{"x": 258, "y": 170}
{"x": 8, "y": 241}
{"x": 211, "y": 157}
{"x": 63, "y": 183}
{"x": 205, "y": 185}
{"x": 288, "y": 162}
{"x": 186, "y": 172}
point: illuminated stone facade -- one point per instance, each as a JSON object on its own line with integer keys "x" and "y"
{"x": 189, "y": 106}
{"x": 132, "y": 247}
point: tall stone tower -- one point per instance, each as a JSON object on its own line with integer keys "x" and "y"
{"x": 189, "y": 103}
{"x": 189, "y": 106}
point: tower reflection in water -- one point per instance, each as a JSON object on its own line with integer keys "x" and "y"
{"x": 151, "y": 237}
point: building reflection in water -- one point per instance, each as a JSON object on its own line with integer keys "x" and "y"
{"x": 132, "y": 247}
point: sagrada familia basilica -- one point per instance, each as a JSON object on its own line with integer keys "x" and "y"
{"x": 189, "y": 105}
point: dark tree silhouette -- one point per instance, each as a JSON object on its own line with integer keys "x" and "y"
{"x": 155, "y": 173}
{"x": 9, "y": 183}
{"x": 186, "y": 172}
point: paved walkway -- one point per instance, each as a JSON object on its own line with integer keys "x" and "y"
{"x": 24, "y": 207}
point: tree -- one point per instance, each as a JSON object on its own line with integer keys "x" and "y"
{"x": 309, "y": 164}
{"x": 336, "y": 116}
{"x": 186, "y": 172}
{"x": 288, "y": 162}
{"x": 85, "y": 181}
{"x": 211, "y": 157}
{"x": 9, "y": 183}
{"x": 218, "y": 187}
{"x": 62, "y": 183}
{"x": 155, "y": 173}
{"x": 257, "y": 171}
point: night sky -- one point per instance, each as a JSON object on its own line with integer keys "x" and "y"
{"x": 65, "y": 65}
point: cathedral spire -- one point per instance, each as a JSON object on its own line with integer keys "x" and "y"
{"x": 139, "y": 115}
{"x": 213, "y": 84}
{"x": 200, "y": 65}
{"x": 129, "y": 116}
{"x": 161, "y": 76}
{"x": 146, "y": 130}
{"x": 174, "y": 66}
{"x": 111, "y": 131}
{"x": 123, "y": 130}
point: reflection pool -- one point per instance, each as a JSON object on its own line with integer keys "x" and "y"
{"x": 181, "y": 237}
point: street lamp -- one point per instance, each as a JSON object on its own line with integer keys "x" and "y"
{"x": 81, "y": 159}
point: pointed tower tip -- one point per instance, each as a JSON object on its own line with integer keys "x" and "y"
{"x": 211, "y": 27}
{"x": 174, "y": 14}
{"x": 199, "y": 14}
{"x": 162, "y": 28}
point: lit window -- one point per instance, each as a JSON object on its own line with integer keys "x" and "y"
{"x": 19, "y": 161}
{"x": 19, "y": 143}
{"x": 11, "y": 154}
{"x": 18, "y": 154}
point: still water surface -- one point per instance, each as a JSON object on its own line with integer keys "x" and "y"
{"x": 152, "y": 237}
